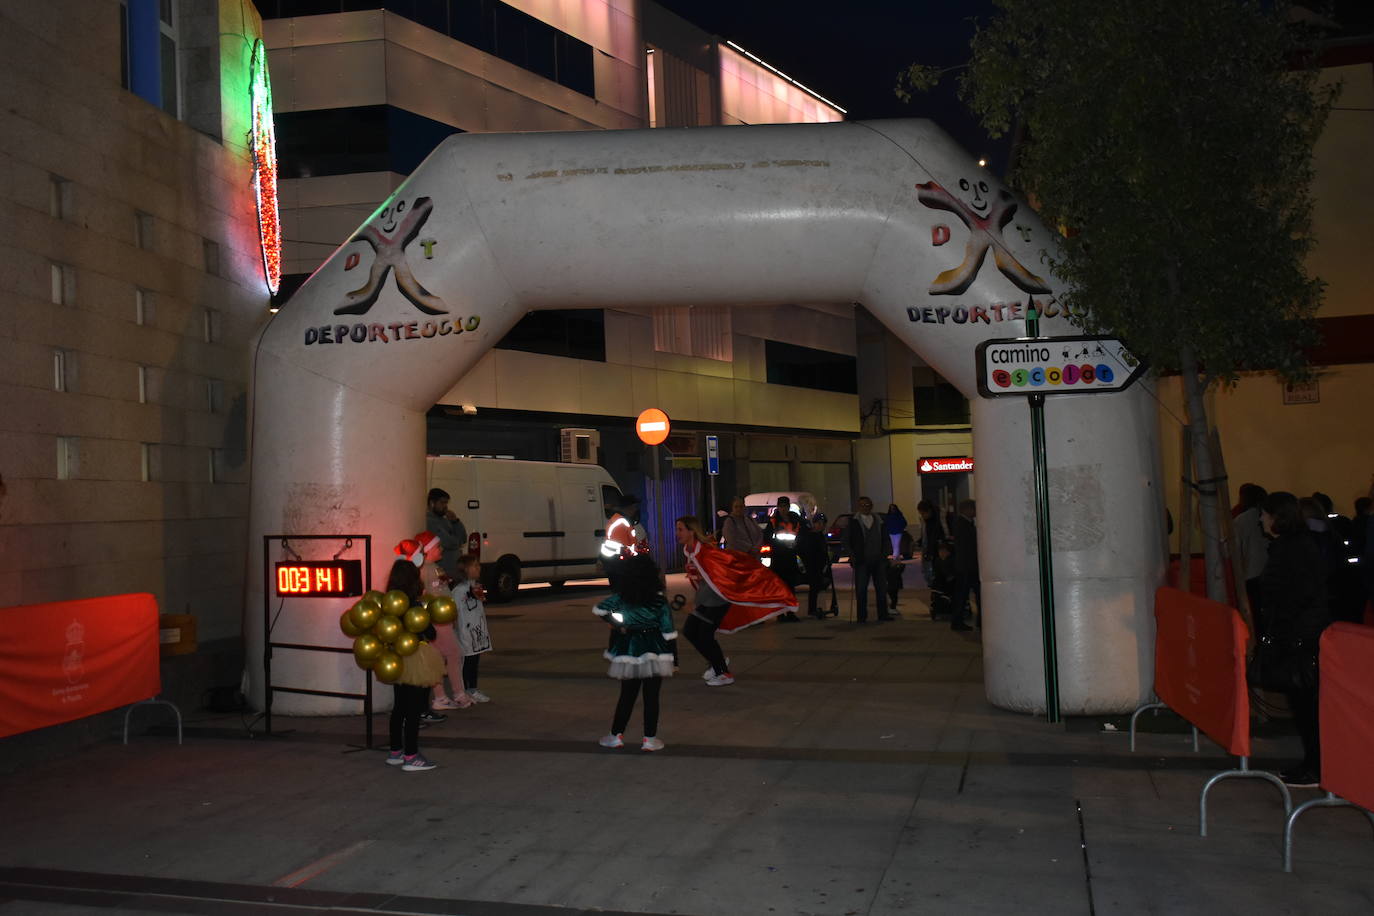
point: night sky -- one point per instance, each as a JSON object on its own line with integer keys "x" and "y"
{"x": 851, "y": 52}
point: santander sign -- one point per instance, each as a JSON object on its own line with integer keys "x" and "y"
{"x": 944, "y": 465}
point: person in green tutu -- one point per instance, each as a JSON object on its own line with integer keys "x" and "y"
{"x": 640, "y": 655}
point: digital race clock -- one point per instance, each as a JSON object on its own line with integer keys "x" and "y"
{"x": 320, "y": 579}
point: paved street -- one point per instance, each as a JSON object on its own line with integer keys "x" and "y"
{"x": 851, "y": 770}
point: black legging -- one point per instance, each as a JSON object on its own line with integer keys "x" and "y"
{"x": 629, "y": 691}
{"x": 1304, "y": 706}
{"x": 702, "y": 635}
{"x": 470, "y": 663}
{"x": 406, "y": 708}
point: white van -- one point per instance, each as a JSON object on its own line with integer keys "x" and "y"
{"x": 529, "y": 521}
{"x": 759, "y": 506}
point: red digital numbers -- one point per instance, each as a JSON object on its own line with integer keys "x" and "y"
{"x": 323, "y": 579}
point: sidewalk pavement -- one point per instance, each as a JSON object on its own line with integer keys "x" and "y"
{"x": 850, "y": 770}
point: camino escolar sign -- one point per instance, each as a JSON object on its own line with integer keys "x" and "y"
{"x": 1054, "y": 365}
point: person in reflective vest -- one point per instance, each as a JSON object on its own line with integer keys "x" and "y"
{"x": 621, "y": 541}
{"x": 784, "y": 525}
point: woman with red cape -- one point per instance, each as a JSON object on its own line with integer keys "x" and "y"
{"x": 734, "y": 591}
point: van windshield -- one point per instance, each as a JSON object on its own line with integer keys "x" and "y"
{"x": 758, "y": 513}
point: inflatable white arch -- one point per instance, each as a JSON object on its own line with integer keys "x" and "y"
{"x": 891, "y": 214}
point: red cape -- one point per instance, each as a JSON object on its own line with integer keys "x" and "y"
{"x": 754, "y": 591}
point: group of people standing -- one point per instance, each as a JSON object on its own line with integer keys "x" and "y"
{"x": 1305, "y": 566}
{"x": 436, "y": 562}
{"x": 734, "y": 590}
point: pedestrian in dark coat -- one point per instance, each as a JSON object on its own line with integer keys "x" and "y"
{"x": 1293, "y": 601}
{"x": 867, "y": 546}
{"x": 966, "y": 581}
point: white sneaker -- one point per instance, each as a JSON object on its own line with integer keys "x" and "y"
{"x": 720, "y": 680}
{"x": 479, "y": 696}
{"x": 444, "y": 703}
{"x": 612, "y": 741}
{"x": 711, "y": 672}
{"x": 651, "y": 744}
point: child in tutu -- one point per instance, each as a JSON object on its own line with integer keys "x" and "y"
{"x": 641, "y": 626}
{"x": 421, "y": 671}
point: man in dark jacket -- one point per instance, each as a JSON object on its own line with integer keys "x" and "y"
{"x": 867, "y": 546}
{"x": 815, "y": 561}
{"x": 966, "y": 581}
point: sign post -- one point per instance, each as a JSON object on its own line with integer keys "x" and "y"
{"x": 713, "y": 471}
{"x": 1033, "y": 367}
{"x": 652, "y": 426}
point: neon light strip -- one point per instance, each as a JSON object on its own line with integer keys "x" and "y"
{"x": 764, "y": 63}
{"x": 263, "y": 143}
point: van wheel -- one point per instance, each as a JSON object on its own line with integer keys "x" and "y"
{"x": 506, "y": 581}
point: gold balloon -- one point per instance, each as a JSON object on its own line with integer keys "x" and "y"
{"x": 367, "y": 648}
{"x": 387, "y": 667}
{"x": 374, "y": 595}
{"x": 364, "y": 614}
{"x": 406, "y": 642}
{"x": 417, "y": 620}
{"x": 395, "y": 602}
{"x": 346, "y": 624}
{"x": 365, "y": 663}
{"x": 388, "y": 628}
{"x": 443, "y": 609}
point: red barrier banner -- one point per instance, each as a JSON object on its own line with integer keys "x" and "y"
{"x": 1347, "y": 712}
{"x": 1200, "y": 666}
{"x": 70, "y": 659}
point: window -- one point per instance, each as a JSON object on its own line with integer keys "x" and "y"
{"x": 804, "y": 367}
{"x": 212, "y": 325}
{"x": 169, "y": 64}
{"x": 150, "y": 459}
{"x": 214, "y": 395}
{"x": 575, "y": 333}
{"x": 68, "y": 458}
{"x": 367, "y": 138}
{"x": 487, "y": 25}
{"x": 210, "y": 252}
{"x": 214, "y": 475}
{"x": 62, "y": 365}
{"x": 694, "y": 331}
{"x": 937, "y": 402}
{"x": 59, "y": 197}
{"x": 149, "y": 52}
{"x": 143, "y": 230}
{"x": 143, "y": 307}
{"x": 124, "y": 80}
{"x": 63, "y": 284}
{"x": 610, "y": 498}
{"x": 143, "y": 384}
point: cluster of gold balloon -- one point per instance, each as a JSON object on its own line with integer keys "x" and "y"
{"x": 384, "y": 628}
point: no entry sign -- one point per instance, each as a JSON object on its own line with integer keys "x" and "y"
{"x": 1055, "y": 365}
{"x": 652, "y": 426}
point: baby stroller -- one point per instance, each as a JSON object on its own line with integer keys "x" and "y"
{"x": 942, "y": 584}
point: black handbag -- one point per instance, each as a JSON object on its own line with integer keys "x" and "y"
{"x": 1283, "y": 665}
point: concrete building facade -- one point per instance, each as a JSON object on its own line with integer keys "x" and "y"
{"x": 134, "y": 282}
